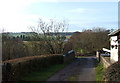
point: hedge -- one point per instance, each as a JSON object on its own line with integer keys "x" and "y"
{"x": 13, "y": 70}
{"x": 113, "y": 72}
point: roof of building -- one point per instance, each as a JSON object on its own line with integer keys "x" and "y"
{"x": 114, "y": 33}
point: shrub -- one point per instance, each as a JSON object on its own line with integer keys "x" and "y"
{"x": 13, "y": 70}
{"x": 112, "y": 73}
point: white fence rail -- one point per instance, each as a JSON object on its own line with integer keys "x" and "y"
{"x": 104, "y": 49}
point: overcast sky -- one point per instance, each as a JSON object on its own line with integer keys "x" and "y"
{"x": 19, "y": 15}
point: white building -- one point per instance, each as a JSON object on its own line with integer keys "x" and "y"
{"x": 114, "y": 45}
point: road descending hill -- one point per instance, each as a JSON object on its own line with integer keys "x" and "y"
{"x": 82, "y": 69}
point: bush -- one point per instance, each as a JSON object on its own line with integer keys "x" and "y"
{"x": 13, "y": 70}
{"x": 112, "y": 73}
{"x": 14, "y": 48}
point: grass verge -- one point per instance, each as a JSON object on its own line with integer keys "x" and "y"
{"x": 100, "y": 69}
{"x": 43, "y": 75}
{"x": 81, "y": 56}
{"x": 73, "y": 78}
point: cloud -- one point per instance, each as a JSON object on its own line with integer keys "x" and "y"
{"x": 88, "y": 0}
{"x": 13, "y": 16}
{"x": 48, "y": 0}
{"x": 81, "y": 10}
{"x": 78, "y": 10}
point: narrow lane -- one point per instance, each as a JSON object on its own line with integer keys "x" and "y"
{"x": 82, "y": 69}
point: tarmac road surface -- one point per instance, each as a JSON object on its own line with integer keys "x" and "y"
{"x": 82, "y": 69}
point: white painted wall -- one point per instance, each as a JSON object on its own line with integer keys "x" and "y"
{"x": 104, "y": 49}
{"x": 114, "y": 51}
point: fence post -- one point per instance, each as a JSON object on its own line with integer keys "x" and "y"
{"x": 98, "y": 55}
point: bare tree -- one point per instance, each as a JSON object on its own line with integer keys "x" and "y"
{"x": 90, "y": 40}
{"x": 51, "y": 34}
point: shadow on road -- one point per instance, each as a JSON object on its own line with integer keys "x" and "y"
{"x": 82, "y": 69}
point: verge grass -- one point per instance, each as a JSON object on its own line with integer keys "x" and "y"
{"x": 44, "y": 74}
{"x": 100, "y": 69}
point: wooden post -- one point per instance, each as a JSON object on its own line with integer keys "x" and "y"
{"x": 98, "y": 55}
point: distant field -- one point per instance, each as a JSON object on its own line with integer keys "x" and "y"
{"x": 68, "y": 34}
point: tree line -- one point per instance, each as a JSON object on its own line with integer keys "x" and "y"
{"x": 48, "y": 40}
{"x": 90, "y": 40}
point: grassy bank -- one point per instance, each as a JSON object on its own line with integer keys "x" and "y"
{"x": 17, "y": 68}
{"x": 100, "y": 69}
{"x": 43, "y": 75}
{"x": 83, "y": 56}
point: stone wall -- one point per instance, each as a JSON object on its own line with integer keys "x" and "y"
{"x": 69, "y": 56}
{"x": 103, "y": 60}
